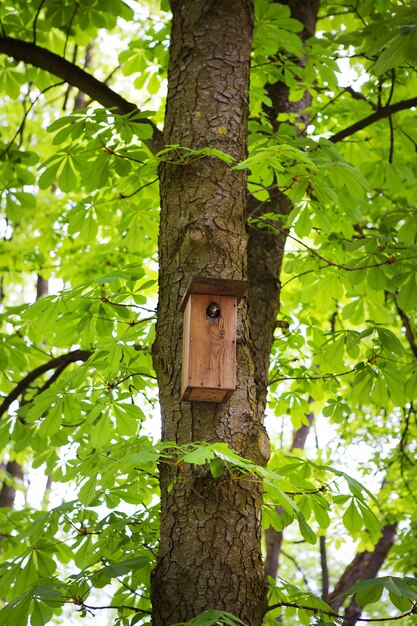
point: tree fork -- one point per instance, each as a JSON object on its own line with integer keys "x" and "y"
{"x": 209, "y": 554}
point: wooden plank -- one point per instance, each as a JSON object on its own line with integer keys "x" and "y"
{"x": 215, "y": 286}
{"x": 209, "y": 349}
{"x": 185, "y": 349}
{"x": 207, "y": 395}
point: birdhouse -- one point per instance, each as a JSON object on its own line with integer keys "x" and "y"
{"x": 209, "y": 339}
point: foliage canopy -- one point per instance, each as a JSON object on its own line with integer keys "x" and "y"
{"x": 79, "y": 208}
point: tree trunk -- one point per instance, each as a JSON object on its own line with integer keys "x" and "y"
{"x": 209, "y": 555}
{"x": 265, "y": 255}
{"x": 8, "y": 490}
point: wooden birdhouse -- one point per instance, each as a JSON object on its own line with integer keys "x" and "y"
{"x": 209, "y": 339}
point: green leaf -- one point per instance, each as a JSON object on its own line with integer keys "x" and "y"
{"x": 102, "y": 432}
{"x": 41, "y": 614}
{"x": 389, "y": 341}
{"x": 126, "y": 425}
{"x": 46, "y": 565}
{"x": 16, "y": 612}
{"x": 352, "y": 519}
{"x": 303, "y": 224}
{"x": 27, "y": 575}
{"x": 411, "y": 387}
{"x": 67, "y": 176}
{"x": 52, "y": 422}
{"x": 379, "y": 392}
{"x": 306, "y": 530}
{"x": 370, "y": 595}
{"x": 376, "y": 278}
{"x": 320, "y": 513}
{"x": 89, "y": 227}
{"x": 402, "y": 604}
{"x": 391, "y": 56}
{"x": 217, "y": 467}
{"x": 407, "y": 296}
{"x": 400, "y": 588}
{"x": 198, "y": 456}
{"x": 87, "y": 492}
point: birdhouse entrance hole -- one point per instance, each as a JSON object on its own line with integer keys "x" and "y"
{"x": 213, "y": 310}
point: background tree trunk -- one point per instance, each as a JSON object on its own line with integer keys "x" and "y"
{"x": 13, "y": 469}
{"x": 209, "y": 554}
{"x": 265, "y": 256}
{"x": 273, "y": 538}
{"x": 363, "y": 566}
{"x": 8, "y": 490}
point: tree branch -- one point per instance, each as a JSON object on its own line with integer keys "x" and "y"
{"x": 20, "y": 128}
{"x": 316, "y": 611}
{"x": 276, "y": 226}
{"x": 407, "y": 327}
{"x": 382, "y": 113}
{"x": 72, "y": 74}
{"x": 116, "y": 607}
{"x": 60, "y": 362}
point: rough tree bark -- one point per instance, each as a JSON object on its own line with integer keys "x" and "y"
{"x": 209, "y": 554}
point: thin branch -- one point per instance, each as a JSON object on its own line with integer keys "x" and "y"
{"x": 22, "y": 123}
{"x": 323, "y": 377}
{"x": 382, "y": 113}
{"x": 144, "y": 374}
{"x": 358, "y": 95}
{"x": 407, "y": 327}
{"x": 391, "y": 140}
{"x": 36, "y": 19}
{"x": 298, "y": 567}
{"x": 135, "y": 593}
{"x": 324, "y": 567}
{"x": 130, "y": 195}
{"x": 69, "y": 87}
{"x": 58, "y": 362}
{"x": 308, "y": 492}
{"x": 69, "y": 72}
{"x": 380, "y": 95}
{"x": 404, "y": 456}
{"x": 391, "y": 91}
{"x": 69, "y": 29}
{"x": 389, "y": 261}
{"x": 135, "y": 609}
{"x": 316, "y": 610}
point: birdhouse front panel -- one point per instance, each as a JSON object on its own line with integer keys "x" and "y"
{"x": 209, "y": 347}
